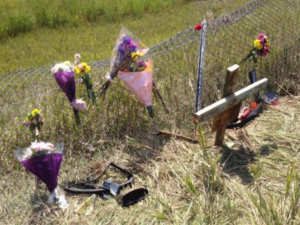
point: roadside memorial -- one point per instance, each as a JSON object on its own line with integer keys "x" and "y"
{"x": 227, "y": 109}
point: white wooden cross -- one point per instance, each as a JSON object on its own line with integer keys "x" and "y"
{"x": 226, "y": 110}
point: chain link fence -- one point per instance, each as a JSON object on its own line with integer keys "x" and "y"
{"x": 229, "y": 39}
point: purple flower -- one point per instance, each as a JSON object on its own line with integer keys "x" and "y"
{"x": 26, "y": 123}
{"x": 141, "y": 66}
{"x": 126, "y": 40}
{"x": 66, "y": 82}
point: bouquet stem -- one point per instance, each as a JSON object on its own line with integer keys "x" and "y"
{"x": 150, "y": 111}
{"x": 77, "y": 118}
{"x": 161, "y": 99}
{"x": 92, "y": 96}
{"x": 103, "y": 89}
{"x": 89, "y": 87}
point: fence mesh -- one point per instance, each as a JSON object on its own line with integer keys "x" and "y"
{"x": 229, "y": 39}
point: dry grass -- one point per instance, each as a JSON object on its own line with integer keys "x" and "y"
{"x": 254, "y": 182}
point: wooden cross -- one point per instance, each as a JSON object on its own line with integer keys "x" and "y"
{"x": 226, "y": 110}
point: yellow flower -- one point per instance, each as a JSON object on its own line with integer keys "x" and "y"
{"x": 136, "y": 55}
{"x": 268, "y": 43}
{"x": 82, "y": 68}
{"x": 35, "y": 112}
{"x": 258, "y": 45}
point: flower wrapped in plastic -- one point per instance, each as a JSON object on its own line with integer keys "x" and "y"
{"x": 128, "y": 49}
{"x": 127, "y": 63}
{"x": 138, "y": 77}
{"x": 64, "y": 76}
{"x": 43, "y": 160}
{"x": 83, "y": 70}
{"x": 261, "y": 47}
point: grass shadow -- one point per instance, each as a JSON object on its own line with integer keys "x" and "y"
{"x": 237, "y": 161}
{"x": 143, "y": 151}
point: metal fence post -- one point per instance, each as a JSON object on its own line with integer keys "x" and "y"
{"x": 200, "y": 66}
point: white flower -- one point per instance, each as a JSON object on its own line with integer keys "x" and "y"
{"x": 77, "y": 58}
{"x": 108, "y": 77}
{"x": 62, "y": 66}
{"x": 40, "y": 146}
{"x": 79, "y": 104}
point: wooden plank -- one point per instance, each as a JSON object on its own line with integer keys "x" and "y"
{"x": 220, "y": 123}
{"x": 223, "y": 119}
{"x": 234, "y": 99}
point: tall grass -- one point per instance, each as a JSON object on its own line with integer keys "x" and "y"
{"x": 95, "y": 41}
{"x": 19, "y": 17}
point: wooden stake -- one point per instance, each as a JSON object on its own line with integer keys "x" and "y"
{"x": 178, "y": 136}
{"x": 229, "y": 88}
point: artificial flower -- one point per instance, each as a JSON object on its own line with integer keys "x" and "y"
{"x": 198, "y": 26}
{"x": 258, "y": 45}
{"x": 261, "y": 47}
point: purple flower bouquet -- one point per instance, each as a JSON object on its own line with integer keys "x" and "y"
{"x": 64, "y": 76}
{"x": 43, "y": 160}
{"x": 128, "y": 50}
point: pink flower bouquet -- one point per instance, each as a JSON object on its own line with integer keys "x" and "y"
{"x": 128, "y": 50}
{"x": 139, "y": 79}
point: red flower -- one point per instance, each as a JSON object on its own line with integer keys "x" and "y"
{"x": 198, "y": 26}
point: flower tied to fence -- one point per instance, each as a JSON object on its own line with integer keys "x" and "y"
{"x": 83, "y": 70}
{"x": 261, "y": 47}
{"x": 64, "y": 76}
{"x": 198, "y": 27}
{"x": 138, "y": 77}
{"x": 128, "y": 50}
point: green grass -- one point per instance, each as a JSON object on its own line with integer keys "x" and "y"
{"x": 23, "y": 16}
{"x": 95, "y": 41}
